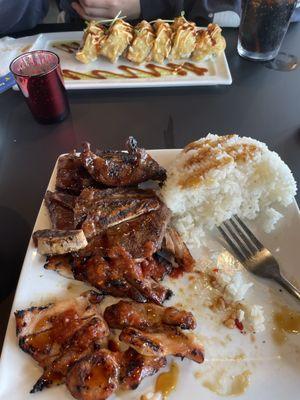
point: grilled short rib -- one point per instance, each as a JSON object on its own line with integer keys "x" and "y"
{"x": 125, "y": 227}
{"x": 122, "y": 168}
{"x": 50, "y": 241}
{"x": 71, "y": 175}
{"x": 96, "y": 210}
{"x": 61, "y": 209}
{"x": 141, "y": 236}
{"x": 129, "y": 226}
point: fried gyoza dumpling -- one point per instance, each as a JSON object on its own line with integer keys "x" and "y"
{"x": 209, "y": 42}
{"x": 118, "y": 39}
{"x": 94, "y": 34}
{"x": 183, "y": 39}
{"x": 140, "y": 49}
{"x": 162, "y": 43}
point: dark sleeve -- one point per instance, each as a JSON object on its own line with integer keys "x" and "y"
{"x": 195, "y": 10}
{"x": 18, "y": 15}
{"x": 166, "y": 9}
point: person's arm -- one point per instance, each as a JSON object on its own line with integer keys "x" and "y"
{"x": 18, "y": 15}
{"x": 93, "y": 9}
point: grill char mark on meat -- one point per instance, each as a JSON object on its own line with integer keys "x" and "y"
{"x": 98, "y": 376}
{"x": 175, "y": 250}
{"x": 64, "y": 199}
{"x": 120, "y": 276}
{"x": 61, "y": 264}
{"x": 112, "y": 276}
{"x": 119, "y": 168}
{"x": 133, "y": 273}
{"x": 97, "y": 210}
{"x": 59, "y": 334}
{"x": 83, "y": 342}
{"x": 156, "y": 267}
{"x": 50, "y": 241}
{"x": 71, "y": 175}
{"x": 109, "y": 280}
{"x": 60, "y": 207}
{"x": 140, "y": 237}
{"x": 135, "y": 367}
{"x": 146, "y": 316}
{"x": 29, "y": 320}
{"x": 162, "y": 342}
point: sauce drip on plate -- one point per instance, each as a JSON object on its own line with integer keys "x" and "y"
{"x": 238, "y": 384}
{"x": 167, "y": 381}
{"x": 286, "y": 321}
{"x": 67, "y": 47}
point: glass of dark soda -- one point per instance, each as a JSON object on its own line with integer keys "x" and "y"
{"x": 263, "y": 26}
{"x": 40, "y": 79}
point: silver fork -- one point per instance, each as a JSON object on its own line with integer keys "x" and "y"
{"x": 252, "y": 254}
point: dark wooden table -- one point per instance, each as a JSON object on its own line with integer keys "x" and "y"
{"x": 261, "y": 103}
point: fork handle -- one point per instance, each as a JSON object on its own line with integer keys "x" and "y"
{"x": 288, "y": 286}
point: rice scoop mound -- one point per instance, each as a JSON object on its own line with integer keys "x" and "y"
{"x": 219, "y": 176}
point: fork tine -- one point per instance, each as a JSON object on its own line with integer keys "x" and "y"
{"x": 251, "y": 235}
{"x": 252, "y": 248}
{"x": 237, "y": 239}
{"x": 232, "y": 245}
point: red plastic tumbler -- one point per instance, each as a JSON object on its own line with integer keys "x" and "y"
{"x": 39, "y": 77}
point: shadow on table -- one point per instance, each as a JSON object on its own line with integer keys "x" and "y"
{"x": 288, "y": 147}
{"x": 5, "y": 307}
{"x": 12, "y": 250}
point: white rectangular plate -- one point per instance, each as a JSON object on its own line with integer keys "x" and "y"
{"x": 218, "y": 71}
{"x": 274, "y": 369}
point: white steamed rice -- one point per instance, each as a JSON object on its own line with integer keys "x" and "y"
{"x": 219, "y": 176}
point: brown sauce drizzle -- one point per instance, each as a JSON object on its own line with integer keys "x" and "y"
{"x": 190, "y": 67}
{"x": 67, "y": 47}
{"x": 26, "y": 48}
{"x": 212, "y": 154}
{"x": 148, "y": 71}
{"x": 128, "y": 72}
{"x": 78, "y": 76}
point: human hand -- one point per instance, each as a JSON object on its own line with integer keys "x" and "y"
{"x": 93, "y": 9}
